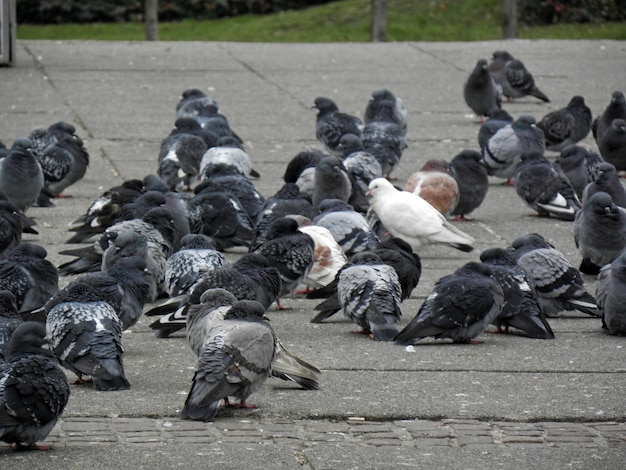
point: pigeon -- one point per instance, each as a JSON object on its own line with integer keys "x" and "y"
{"x": 11, "y": 227}
{"x": 559, "y": 284}
{"x": 179, "y": 159}
{"x": 9, "y": 321}
{"x": 362, "y": 166}
{"x": 511, "y": 74}
{"x": 21, "y": 177}
{"x": 566, "y": 126}
{"x": 214, "y": 122}
{"x": 31, "y": 277}
{"x": 63, "y": 163}
{"x": 611, "y": 295}
{"x": 545, "y": 189}
{"x": 473, "y": 182}
{"x": 33, "y": 389}
{"x": 481, "y": 91}
{"x": 304, "y": 160}
{"x": 348, "y": 227}
{"x": 27, "y": 223}
{"x": 369, "y": 292}
{"x": 406, "y": 215}
{"x": 599, "y": 232}
{"x": 460, "y": 307}
{"x": 580, "y": 165}
{"x": 192, "y": 103}
{"x": 381, "y": 98}
{"x": 236, "y": 360}
{"x": 435, "y": 184}
{"x": 331, "y": 181}
{"x": 331, "y": 124}
{"x": 496, "y": 119}
{"x": 612, "y": 144}
{"x": 86, "y": 335}
{"x": 505, "y": 148}
{"x": 185, "y": 267}
{"x": 290, "y": 252}
{"x": 607, "y": 180}
{"x": 43, "y": 138}
{"x": 616, "y": 109}
{"x": 229, "y": 151}
{"x": 521, "y": 308}
{"x": 400, "y": 256}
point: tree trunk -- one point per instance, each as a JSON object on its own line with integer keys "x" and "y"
{"x": 152, "y": 20}
{"x": 509, "y": 19}
{"x": 379, "y": 21}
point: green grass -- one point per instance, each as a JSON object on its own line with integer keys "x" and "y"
{"x": 340, "y": 21}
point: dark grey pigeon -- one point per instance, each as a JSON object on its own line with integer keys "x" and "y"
{"x": 511, "y": 74}
{"x": 473, "y": 182}
{"x": 211, "y": 119}
{"x": 481, "y": 91}
{"x": 179, "y": 159}
{"x": 21, "y": 178}
{"x": 559, "y": 284}
{"x": 290, "y": 251}
{"x": 33, "y": 391}
{"x": 10, "y": 319}
{"x": 331, "y": 181}
{"x": 496, "y": 119}
{"x": 331, "y": 124}
{"x": 362, "y": 166}
{"x": 599, "y": 232}
{"x": 11, "y": 227}
{"x": 235, "y": 361}
{"x": 607, "y": 180}
{"x": 369, "y": 293}
{"x": 544, "y": 189}
{"x": 192, "y": 103}
{"x": 505, "y": 148}
{"x": 612, "y": 145}
{"x": 42, "y": 138}
{"x": 86, "y": 335}
{"x": 27, "y": 223}
{"x": 580, "y": 165}
{"x": 521, "y": 308}
{"x": 31, "y": 277}
{"x": 566, "y": 126}
{"x": 384, "y": 98}
{"x": 616, "y": 109}
{"x": 611, "y": 295}
{"x": 460, "y": 307}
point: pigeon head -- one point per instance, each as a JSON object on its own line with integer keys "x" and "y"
{"x": 366, "y": 258}
{"x": 576, "y": 102}
{"x": 325, "y": 105}
{"x": 281, "y": 226}
{"x": 196, "y": 241}
{"x": 380, "y": 186}
{"x": 502, "y": 55}
{"x": 192, "y": 93}
{"x": 383, "y": 94}
{"x": 248, "y": 310}
{"x": 212, "y": 297}
{"x": 29, "y": 337}
{"x": 499, "y": 114}
{"x": 602, "y": 203}
{"x": 619, "y": 126}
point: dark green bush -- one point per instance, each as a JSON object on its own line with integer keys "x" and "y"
{"x": 539, "y": 12}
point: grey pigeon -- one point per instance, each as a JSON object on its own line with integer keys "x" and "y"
{"x": 566, "y": 126}
{"x": 496, "y": 119}
{"x": 331, "y": 181}
{"x": 473, "y": 182}
{"x": 521, "y": 308}
{"x": 21, "y": 178}
{"x": 235, "y": 361}
{"x": 290, "y": 252}
{"x": 192, "y": 102}
{"x": 607, "y": 180}
{"x": 42, "y": 138}
{"x": 545, "y": 189}
{"x": 362, "y": 166}
{"x": 460, "y": 307}
{"x": 384, "y": 98}
{"x": 86, "y": 335}
{"x": 611, "y": 295}
{"x": 63, "y": 163}
{"x": 229, "y": 151}
{"x": 481, "y": 91}
{"x": 616, "y": 109}
{"x": 580, "y": 165}
{"x": 29, "y": 275}
{"x": 331, "y": 124}
{"x": 11, "y": 227}
{"x": 511, "y": 74}
{"x": 33, "y": 390}
{"x": 505, "y": 148}
{"x": 369, "y": 293}
{"x": 9, "y": 321}
{"x": 179, "y": 159}
{"x": 559, "y": 284}
{"x": 612, "y": 144}
{"x": 599, "y": 232}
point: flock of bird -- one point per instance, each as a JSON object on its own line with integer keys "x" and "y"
{"x": 338, "y": 230}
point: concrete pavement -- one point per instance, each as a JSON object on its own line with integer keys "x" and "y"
{"x": 510, "y": 402}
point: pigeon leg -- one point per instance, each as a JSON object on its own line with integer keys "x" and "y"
{"x": 280, "y": 306}
{"x": 362, "y": 331}
{"x": 81, "y": 381}
{"x": 63, "y": 196}
{"x": 22, "y": 447}
{"x": 304, "y": 291}
{"x": 462, "y": 218}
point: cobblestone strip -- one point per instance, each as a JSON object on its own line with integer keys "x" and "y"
{"x": 307, "y": 433}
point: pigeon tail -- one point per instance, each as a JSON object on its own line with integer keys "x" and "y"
{"x": 533, "y": 325}
{"x": 327, "y": 309}
{"x": 537, "y": 93}
{"x": 288, "y": 366}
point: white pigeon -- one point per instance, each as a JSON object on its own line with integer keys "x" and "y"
{"x": 406, "y": 215}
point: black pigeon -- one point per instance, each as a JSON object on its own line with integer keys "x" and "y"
{"x": 303, "y": 160}
{"x": 580, "y": 165}
{"x": 496, "y": 119}
{"x": 331, "y": 181}
{"x": 10, "y": 319}
{"x": 383, "y": 98}
{"x": 34, "y": 389}
{"x": 481, "y": 91}
{"x": 566, "y": 126}
{"x": 521, "y": 308}
{"x": 473, "y": 182}
{"x": 31, "y": 277}
{"x": 11, "y": 227}
{"x": 612, "y": 144}
{"x": 235, "y": 361}
{"x": 511, "y": 74}
{"x": 290, "y": 252}
{"x": 399, "y": 255}
{"x": 607, "y": 180}
{"x": 545, "y": 189}
{"x": 460, "y": 307}
{"x": 21, "y": 178}
{"x": 331, "y": 124}
{"x": 86, "y": 335}
{"x": 616, "y": 109}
